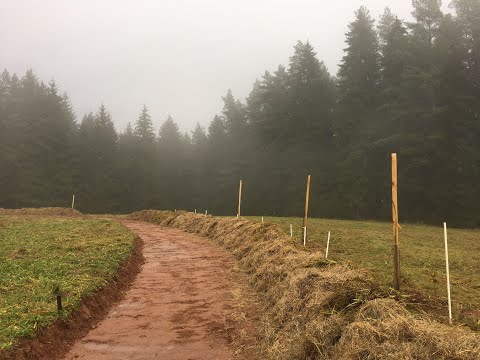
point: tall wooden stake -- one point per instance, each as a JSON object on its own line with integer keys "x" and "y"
{"x": 73, "y": 201}
{"x": 307, "y": 196}
{"x": 328, "y": 244}
{"x": 396, "y": 251}
{"x": 239, "y": 199}
{"x": 448, "y": 274}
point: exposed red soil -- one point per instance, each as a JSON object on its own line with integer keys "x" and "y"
{"x": 54, "y": 341}
{"x": 180, "y": 306}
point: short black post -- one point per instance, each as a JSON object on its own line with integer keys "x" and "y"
{"x": 59, "y": 302}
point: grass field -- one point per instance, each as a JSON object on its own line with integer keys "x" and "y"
{"x": 38, "y": 256}
{"x": 368, "y": 245}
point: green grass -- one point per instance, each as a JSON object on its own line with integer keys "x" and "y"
{"x": 368, "y": 245}
{"x": 40, "y": 255}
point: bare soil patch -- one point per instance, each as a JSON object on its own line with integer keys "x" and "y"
{"x": 184, "y": 304}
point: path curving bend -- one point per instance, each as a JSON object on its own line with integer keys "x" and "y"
{"x": 177, "y": 308}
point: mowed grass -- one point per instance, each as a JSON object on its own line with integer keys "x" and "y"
{"x": 39, "y": 256}
{"x": 368, "y": 245}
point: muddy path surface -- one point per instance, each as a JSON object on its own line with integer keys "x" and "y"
{"x": 179, "y": 307}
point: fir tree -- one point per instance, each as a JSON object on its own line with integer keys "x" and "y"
{"x": 144, "y": 126}
{"x": 358, "y": 78}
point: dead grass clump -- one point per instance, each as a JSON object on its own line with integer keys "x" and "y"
{"x": 47, "y": 211}
{"x": 316, "y": 340}
{"x": 18, "y": 253}
{"x": 383, "y": 329}
{"x": 316, "y": 308}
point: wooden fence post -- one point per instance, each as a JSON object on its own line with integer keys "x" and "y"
{"x": 305, "y": 219}
{"x": 239, "y": 199}
{"x": 328, "y": 244}
{"x": 448, "y": 274}
{"x": 396, "y": 251}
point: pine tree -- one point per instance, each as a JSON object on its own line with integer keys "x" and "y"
{"x": 37, "y": 129}
{"x": 356, "y": 113}
{"x": 458, "y": 131}
{"x": 197, "y": 166}
{"x": 394, "y": 64}
{"x": 268, "y": 109}
{"x": 52, "y": 88}
{"x": 133, "y": 181}
{"x": 385, "y": 25}
{"x": 171, "y": 165}
{"x": 312, "y": 96}
{"x": 105, "y": 129}
{"x": 169, "y": 135}
{"x": 235, "y": 116}
{"x": 100, "y": 168}
{"x": 468, "y": 19}
{"x": 144, "y": 126}
{"x": 217, "y": 131}
{"x": 140, "y": 155}
{"x": 10, "y": 133}
{"x": 87, "y": 125}
{"x": 428, "y": 15}
{"x": 128, "y": 130}
{"x": 358, "y": 78}
{"x": 199, "y": 137}
{"x": 217, "y": 157}
{"x": 304, "y": 67}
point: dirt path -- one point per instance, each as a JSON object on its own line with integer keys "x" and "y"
{"x": 178, "y": 307}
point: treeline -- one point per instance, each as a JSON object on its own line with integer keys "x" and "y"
{"x": 406, "y": 87}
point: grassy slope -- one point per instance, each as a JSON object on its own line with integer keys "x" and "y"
{"x": 37, "y": 256}
{"x": 367, "y": 245}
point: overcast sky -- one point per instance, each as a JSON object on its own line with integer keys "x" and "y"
{"x": 178, "y": 56}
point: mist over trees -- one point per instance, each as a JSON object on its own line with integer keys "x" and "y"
{"x": 406, "y": 87}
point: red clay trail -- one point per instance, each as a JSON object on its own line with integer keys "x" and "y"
{"x": 177, "y": 308}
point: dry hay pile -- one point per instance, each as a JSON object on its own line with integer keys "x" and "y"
{"x": 46, "y": 211}
{"x": 318, "y": 309}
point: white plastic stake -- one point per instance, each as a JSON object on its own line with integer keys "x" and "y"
{"x": 206, "y": 212}
{"x": 73, "y": 201}
{"x": 448, "y": 274}
{"x": 262, "y": 219}
{"x": 328, "y": 243}
{"x": 291, "y": 230}
{"x": 195, "y": 211}
{"x": 305, "y": 236}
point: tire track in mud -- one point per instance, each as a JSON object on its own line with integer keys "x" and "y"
{"x": 178, "y": 306}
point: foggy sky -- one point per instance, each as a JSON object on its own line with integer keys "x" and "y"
{"x": 179, "y": 56}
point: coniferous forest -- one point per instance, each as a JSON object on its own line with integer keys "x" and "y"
{"x": 407, "y": 87}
